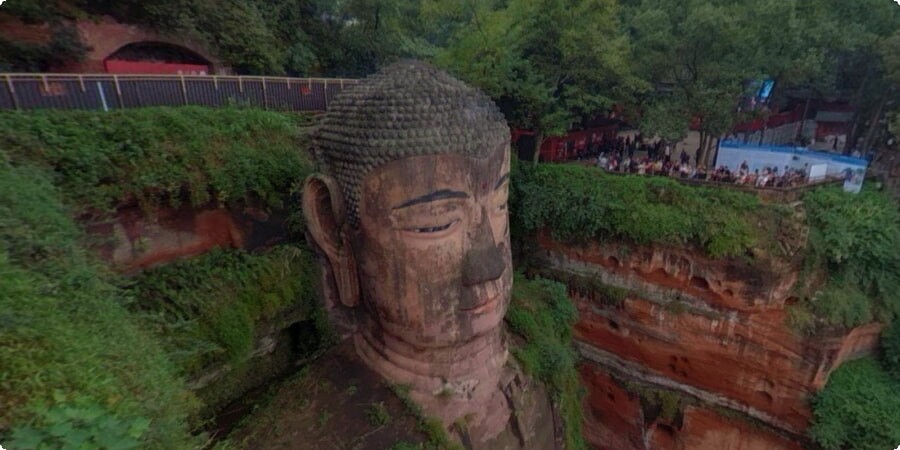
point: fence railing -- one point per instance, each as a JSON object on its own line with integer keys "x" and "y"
{"x": 106, "y": 91}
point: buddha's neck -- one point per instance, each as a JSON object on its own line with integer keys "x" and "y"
{"x": 467, "y": 368}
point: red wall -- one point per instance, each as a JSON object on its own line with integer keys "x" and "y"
{"x": 147, "y": 67}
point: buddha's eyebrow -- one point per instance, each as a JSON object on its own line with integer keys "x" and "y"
{"x": 436, "y": 195}
{"x": 502, "y": 180}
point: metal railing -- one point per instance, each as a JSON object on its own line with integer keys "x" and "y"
{"x": 106, "y": 91}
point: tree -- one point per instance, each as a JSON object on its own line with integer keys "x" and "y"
{"x": 549, "y": 63}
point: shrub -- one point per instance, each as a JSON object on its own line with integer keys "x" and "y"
{"x": 73, "y": 357}
{"x": 582, "y": 203}
{"x": 854, "y": 240}
{"x": 206, "y": 309}
{"x": 890, "y": 349}
{"x": 542, "y": 314}
{"x": 857, "y": 409}
{"x": 156, "y": 155}
{"x": 377, "y": 414}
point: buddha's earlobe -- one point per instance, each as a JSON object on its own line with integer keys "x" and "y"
{"x": 323, "y": 206}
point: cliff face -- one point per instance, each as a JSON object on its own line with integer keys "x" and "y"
{"x": 133, "y": 239}
{"x": 710, "y": 333}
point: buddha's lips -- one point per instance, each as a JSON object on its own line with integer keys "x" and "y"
{"x": 488, "y": 305}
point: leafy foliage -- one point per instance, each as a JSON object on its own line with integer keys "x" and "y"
{"x": 433, "y": 429}
{"x": 551, "y": 63}
{"x": 109, "y": 352}
{"x": 87, "y": 426}
{"x": 542, "y": 314}
{"x": 663, "y": 403}
{"x": 890, "y": 349}
{"x": 855, "y": 238}
{"x": 154, "y": 155}
{"x": 205, "y": 310}
{"x": 62, "y": 316}
{"x": 582, "y": 203}
{"x": 857, "y": 409}
{"x": 63, "y": 47}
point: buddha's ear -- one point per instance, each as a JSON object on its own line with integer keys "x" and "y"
{"x": 323, "y": 206}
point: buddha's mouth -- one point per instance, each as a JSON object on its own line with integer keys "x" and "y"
{"x": 483, "y": 307}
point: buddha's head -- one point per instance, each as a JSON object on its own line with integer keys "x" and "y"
{"x": 409, "y": 208}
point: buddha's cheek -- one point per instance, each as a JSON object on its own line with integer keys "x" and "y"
{"x": 414, "y": 284}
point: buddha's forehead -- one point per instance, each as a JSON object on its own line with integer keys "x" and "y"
{"x": 420, "y": 175}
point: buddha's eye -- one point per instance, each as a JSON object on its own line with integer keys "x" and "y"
{"x": 502, "y": 207}
{"x": 435, "y": 229}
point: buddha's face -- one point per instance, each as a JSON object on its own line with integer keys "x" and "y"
{"x": 433, "y": 247}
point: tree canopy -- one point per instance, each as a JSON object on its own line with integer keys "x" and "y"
{"x": 550, "y": 64}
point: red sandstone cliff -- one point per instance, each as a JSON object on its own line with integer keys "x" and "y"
{"x": 711, "y": 332}
{"x": 134, "y": 239}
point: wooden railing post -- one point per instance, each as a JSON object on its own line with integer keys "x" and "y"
{"x": 325, "y": 90}
{"x": 184, "y": 91}
{"x": 12, "y": 91}
{"x": 265, "y": 94}
{"x": 119, "y": 92}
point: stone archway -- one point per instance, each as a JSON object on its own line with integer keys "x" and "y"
{"x": 107, "y": 37}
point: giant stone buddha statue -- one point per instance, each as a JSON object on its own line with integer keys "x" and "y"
{"x": 410, "y": 212}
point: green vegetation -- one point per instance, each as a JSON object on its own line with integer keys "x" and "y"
{"x": 662, "y": 403}
{"x": 404, "y": 446}
{"x": 542, "y": 314}
{"x": 436, "y": 437}
{"x": 552, "y": 64}
{"x": 63, "y": 316}
{"x": 377, "y": 414}
{"x": 890, "y": 349}
{"x": 205, "y": 310}
{"x": 853, "y": 244}
{"x": 587, "y": 286}
{"x": 63, "y": 47}
{"x": 160, "y": 155}
{"x": 92, "y": 358}
{"x": 579, "y": 203}
{"x": 858, "y": 409}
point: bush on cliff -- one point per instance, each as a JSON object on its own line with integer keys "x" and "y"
{"x": 890, "y": 349}
{"x": 73, "y": 357}
{"x": 156, "y": 155}
{"x": 543, "y": 315}
{"x": 858, "y": 409}
{"x": 578, "y": 203}
{"x": 206, "y": 310}
{"x": 85, "y": 360}
{"x": 855, "y": 241}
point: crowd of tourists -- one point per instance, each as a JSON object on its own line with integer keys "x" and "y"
{"x": 620, "y": 156}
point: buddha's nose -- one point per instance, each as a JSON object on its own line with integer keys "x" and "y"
{"x": 484, "y": 262}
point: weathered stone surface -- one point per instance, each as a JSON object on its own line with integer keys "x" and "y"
{"x": 410, "y": 218}
{"x": 615, "y": 420}
{"x": 705, "y": 429}
{"x": 712, "y": 329}
{"x": 134, "y": 239}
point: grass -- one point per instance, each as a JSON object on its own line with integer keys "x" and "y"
{"x": 579, "y": 204}
{"x": 432, "y": 428}
{"x": 160, "y": 155}
{"x": 67, "y": 339}
{"x": 206, "y": 310}
{"x": 663, "y": 403}
{"x": 88, "y": 357}
{"x": 542, "y": 314}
